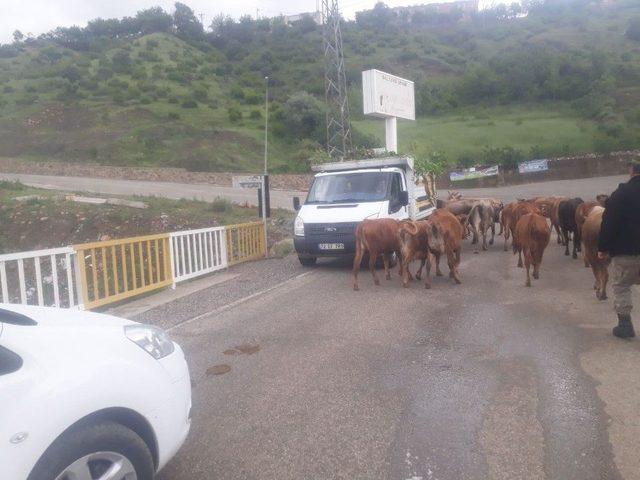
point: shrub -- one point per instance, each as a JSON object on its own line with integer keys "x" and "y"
{"x": 173, "y": 99}
{"x": 255, "y": 115}
{"x": 237, "y": 92}
{"x": 221, "y": 205}
{"x": 145, "y": 100}
{"x": 234, "y": 113}
{"x": 189, "y": 104}
{"x": 173, "y": 116}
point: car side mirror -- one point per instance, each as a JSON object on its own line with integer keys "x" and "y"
{"x": 296, "y": 203}
{"x": 403, "y": 198}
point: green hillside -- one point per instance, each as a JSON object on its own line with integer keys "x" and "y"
{"x": 159, "y": 89}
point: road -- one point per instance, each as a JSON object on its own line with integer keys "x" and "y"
{"x": 190, "y": 191}
{"x": 301, "y": 377}
{"x": 588, "y": 187}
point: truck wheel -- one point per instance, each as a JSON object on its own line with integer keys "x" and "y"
{"x": 307, "y": 261}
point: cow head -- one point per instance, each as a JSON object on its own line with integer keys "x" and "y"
{"x": 602, "y": 198}
{"x": 464, "y": 221}
{"x": 454, "y": 195}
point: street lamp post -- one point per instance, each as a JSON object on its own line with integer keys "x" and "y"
{"x": 266, "y": 151}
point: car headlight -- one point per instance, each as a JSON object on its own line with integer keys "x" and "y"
{"x": 153, "y": 340}
{"x": 298, "y": 227}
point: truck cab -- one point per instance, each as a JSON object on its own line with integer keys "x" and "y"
{"x": 345, "y": 193}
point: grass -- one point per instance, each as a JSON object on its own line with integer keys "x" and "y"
{"x": 468, "y": 132}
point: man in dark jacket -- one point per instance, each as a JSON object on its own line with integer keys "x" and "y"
{"x": 620, "y": 239}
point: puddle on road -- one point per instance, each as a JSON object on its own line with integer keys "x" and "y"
{"x": 246, "y": 348}
{"x": 218, "y": 369}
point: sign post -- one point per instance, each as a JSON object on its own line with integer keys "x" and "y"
{"x": 389, "y": 97}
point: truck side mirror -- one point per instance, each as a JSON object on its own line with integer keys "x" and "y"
{"x": 296, "y": 203}
{"x": 403, "y": 198}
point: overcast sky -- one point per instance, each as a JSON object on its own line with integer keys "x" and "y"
{"x": 39, "y": 16}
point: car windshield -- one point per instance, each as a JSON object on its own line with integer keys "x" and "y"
{"x": 350, "y": 187}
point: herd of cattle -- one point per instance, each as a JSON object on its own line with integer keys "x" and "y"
{"x": 527, "y": 222}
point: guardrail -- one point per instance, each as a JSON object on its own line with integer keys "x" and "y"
{"x": 198, "y": 252}
{"x": 113, "y": 270}
{"x": 245, "y": 242}
{"x": 42, "y": 277}
{"x": 95, "y": 274}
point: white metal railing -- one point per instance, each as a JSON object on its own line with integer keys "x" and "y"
{"x": 41, "y": 277}
{"x": 197, "y": 252}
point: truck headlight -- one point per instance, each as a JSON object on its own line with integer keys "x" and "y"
{"x": 152, "y": 340}
{"x": 298, "y": 227}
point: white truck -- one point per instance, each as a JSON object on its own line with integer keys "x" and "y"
{"x": 345, "y": 193}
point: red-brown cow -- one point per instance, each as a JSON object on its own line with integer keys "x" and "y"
{"x": 510, "y": 216}
{"x": 530, "y": 238}
{"x": 453, "y": 233}
{"x": 376, "y": 237}
{"x": 600, "y": 267}
{"x": 419, "y": 240}
{"x": 583, "y": 211}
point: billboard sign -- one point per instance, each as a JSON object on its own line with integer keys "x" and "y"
{"x": 472, "y": 173}
{"x": 385, "y": 95}
{"x": 533, "y": 166}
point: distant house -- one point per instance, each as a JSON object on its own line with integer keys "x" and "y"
{"x": 466, "y": 7}
{"x": 315, "y": 16}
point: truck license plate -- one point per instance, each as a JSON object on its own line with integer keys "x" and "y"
{"x": 331, "y": 246}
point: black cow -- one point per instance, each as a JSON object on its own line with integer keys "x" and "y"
{"x": 567, "y": 220}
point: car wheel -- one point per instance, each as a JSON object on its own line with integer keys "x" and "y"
{"x": 105, "y": 451}
{"x": 307, "y": 261}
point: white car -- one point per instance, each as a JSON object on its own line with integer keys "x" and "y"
{"x": 85, "y": 396}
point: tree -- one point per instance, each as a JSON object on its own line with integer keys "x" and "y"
{"x": 18, "y": 36}
{"x": 633, "y": 31}
{"x": 187, "y": 25}
{"x": 303, "y": 116}
{"x": 154, "y": 19}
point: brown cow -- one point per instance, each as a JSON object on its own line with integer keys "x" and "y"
{"x": 453, "y": 232}
{"x": 376, "y": 237}
{"x": 555, "y": 218}
{"x": 481, "y": 218}
{"x": 590, "y": 234}
{"x": 418, "y": 240}
{"x": 583, "y": 211}
{"x": 531, "y": 237}
{"x": 510, "y": 216}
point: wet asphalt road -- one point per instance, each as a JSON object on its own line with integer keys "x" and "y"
{"x": 486, "y": 380}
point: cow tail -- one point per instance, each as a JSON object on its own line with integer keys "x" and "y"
{"x": 408, "y": 227}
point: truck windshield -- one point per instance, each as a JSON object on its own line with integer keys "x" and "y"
{"x": 350, "y": 187}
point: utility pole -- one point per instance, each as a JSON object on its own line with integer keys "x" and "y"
{"x": 265, "y": 178}
{"x": 335, "y": 81}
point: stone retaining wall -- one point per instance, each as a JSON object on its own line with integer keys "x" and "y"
{"x": 152, "y": 174}
{"x": 561, "y": 168}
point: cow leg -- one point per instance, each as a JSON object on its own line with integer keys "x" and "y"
{"x": 527, "y": 264}
{"x": 558, "y": 233}
{"x": 419, "y": 272}
{"x": 356, "y": 266}
{"x": 484, "y": 238}
{"x": 506, "y": 237}
{"x": 438, "y": 271}
{"x": 406, "y": 260}
{"x": 453, "y": 259}
{"x": 574, "y": 253}
{"x": 565, "y": 241}
{"x": 519, "y": 257}
{"x": 493, "y": 233}
{"x": 372, "y": 266}
{"x": 427, "y": 272}
{"x": 604, "y": 278}
{"x": 386, "y": 260}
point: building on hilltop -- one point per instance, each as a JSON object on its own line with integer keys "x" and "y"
{"x": 315, "y": 16}
{"x": 466, "y": 7}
